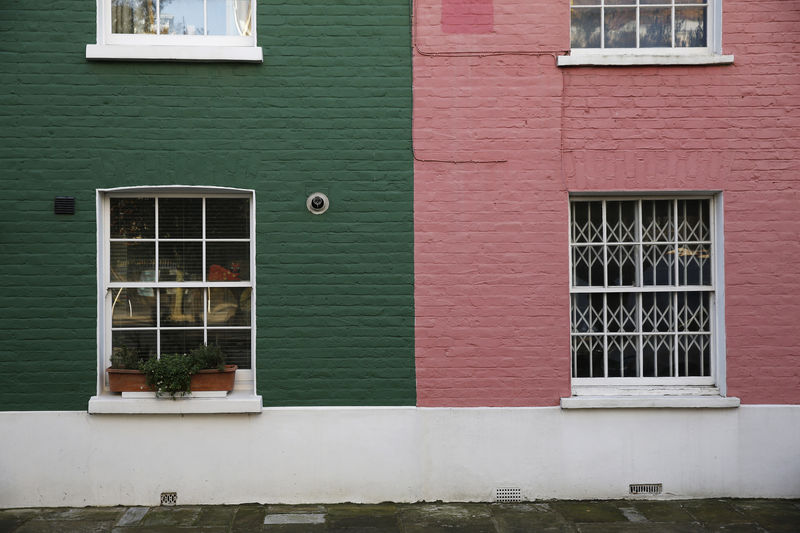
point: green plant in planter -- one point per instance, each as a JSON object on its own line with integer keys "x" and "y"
{"x": 170, "y": 374}
{"x": 209, "y": 356}
{"x": 125, "y": 358}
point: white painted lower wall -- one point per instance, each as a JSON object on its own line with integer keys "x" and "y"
{"x": 401, "y": 454}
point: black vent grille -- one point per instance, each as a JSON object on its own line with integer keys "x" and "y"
{"x": 64, "y": 205}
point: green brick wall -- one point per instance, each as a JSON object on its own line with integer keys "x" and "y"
{"x": 329, "y": 110}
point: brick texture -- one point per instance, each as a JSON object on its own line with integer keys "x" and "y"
{"x": 329, "y": 110}
{"x": 502, "y": 137}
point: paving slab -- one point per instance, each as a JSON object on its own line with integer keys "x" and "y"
{"x": 715, "y": 513}
{"x": 666, "y": 511}
{"x": 216, "y": 515}
{"x": 249, "y": 518}
{"x": 61, "y": 526}
{"x": 132, "y": 516}
{"x": 640, "y": 527}
{"x": 171, "y": 529}
{"x": 589, "y": 511}
{"x": 526, "y": 517}
{"x": 180, "y": 515}
{"x": 436, "y": 518}
{"x": 775, "y": 516}
{"x": 352, "y": 518}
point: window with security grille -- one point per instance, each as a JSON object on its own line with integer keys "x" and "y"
{"x": 642, "y": 290}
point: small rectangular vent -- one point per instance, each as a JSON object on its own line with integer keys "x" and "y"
{"x": 507, "y": 494}
{"x": 169, "y": 498}
{"x": 646, "y": 488}
{"x": 64, "y": 205}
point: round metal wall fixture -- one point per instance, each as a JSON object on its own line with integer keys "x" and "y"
{"x": 317, "y": 203}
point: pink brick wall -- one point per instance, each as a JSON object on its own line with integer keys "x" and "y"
{"x": 502, "y": 136}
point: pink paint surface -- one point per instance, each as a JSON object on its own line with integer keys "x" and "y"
{"x": 502, "y": 140}
{"x": 467, "y": 16}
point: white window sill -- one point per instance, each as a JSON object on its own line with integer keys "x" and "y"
{"x": 118, "y": 52}
{"x": 235, "y": 402}
{"x": 630, "y": 59}
{"x": 643, "y": 397}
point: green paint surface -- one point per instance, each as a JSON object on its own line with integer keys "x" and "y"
{"x": 329, "y": 110}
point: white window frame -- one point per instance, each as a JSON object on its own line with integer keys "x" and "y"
{"x": 708, "y": 55}
{"x": 243, "y": 398}
{"x": 111, "y": 46}
{"x": 688, "y": 391}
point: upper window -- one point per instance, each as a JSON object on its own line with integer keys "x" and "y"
{"x": 643, "y": 287}
{"x": 645, "y": 32}
{"x": 176, "y": 29}
{"x": 639, "y": 23}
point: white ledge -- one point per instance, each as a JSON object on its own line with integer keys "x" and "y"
{"x": 646, "y": 402}
{"x": 235, "y": 402}
{"x": 119, "y": 52}
{"x": 617, "y": 59}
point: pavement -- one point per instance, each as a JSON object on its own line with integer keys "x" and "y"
{"x": 673, "y": 516}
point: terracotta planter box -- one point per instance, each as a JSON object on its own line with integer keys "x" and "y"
{"x": 205, "y": 380}
{"x": 120, "y": 380}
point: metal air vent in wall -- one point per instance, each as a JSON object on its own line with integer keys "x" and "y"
{"x": 169, "y": 498}
{"x": 64, "y": 205}
{"x": 646, "y": 488}
{"x": 507, "y": 494}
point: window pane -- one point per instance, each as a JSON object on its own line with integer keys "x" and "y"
{"x": 620, "y": 27}
{"x": 660, "y": 2}
{"x": 584, "y": 28}
{"x": 694, "y": 264}
{"x": 657, "y": 220}
{"x": 235, "y": 344}
{"x": 181, "y": 307}
{"x": 182, "y": 17}
{"x": 229, "y": 17}
{"x": 180, "y": 261}
{"x": 587, "y": 222}
{"x": 587, "y": 266}
{"x": 621, "y": 312}
{"x": 180, "y": 340}
{"x": 690, "y": 26}
{"x": 228, "y": 261}
{"x": 133, "y": 16}
{"x": 693, "y": 312}
{"x": 658, "y": 264}
{"x": 622, "y": 265}
{"x": 693, "y": 220}
{"x": 142, "y": 341}
{"x": 587, "y": 313}
{"x": 133, "y": 307}
{"x": 587, "y": 357}
{"x": 657, "y": 356}
{"x": 229, "y": 306}
{"x": 227, "y": 218}
{"x": 623, "y": 360}
{"x": 620, "y": 221}
{"x": 133, "y": 218}
{"x": 657, "y": 312}
{"x": 180, "y": 218}
{"x": 585, "y": 2}
{"x": 694, "y": 355}
{"x": 655, "y": 27}
{"x": 132, "y": 261}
